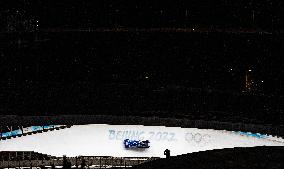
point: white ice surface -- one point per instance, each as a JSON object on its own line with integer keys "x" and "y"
{"x": 107, "y": 140}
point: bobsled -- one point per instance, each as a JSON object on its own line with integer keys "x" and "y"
{"x": 136, "y": 143}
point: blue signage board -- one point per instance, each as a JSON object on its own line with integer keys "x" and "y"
{"x": 27, "y": 130}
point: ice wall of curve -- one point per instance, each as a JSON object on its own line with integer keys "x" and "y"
{"x": 107, "y": 140}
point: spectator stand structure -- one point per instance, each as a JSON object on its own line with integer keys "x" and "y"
{"x": 34, "y": 159}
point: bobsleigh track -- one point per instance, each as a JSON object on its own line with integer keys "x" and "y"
{"x": 107, "y": 140}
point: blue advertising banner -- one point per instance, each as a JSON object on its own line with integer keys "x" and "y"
{"x": 27, "y": 130}
{"x": 16, "y": 132}
{"x": 6, "y": 134}
{"x": 51, "y": 126}
{"x": 256, "y": 135}
{"x": 12, "y": 133}
{"x": 37, "y": 128}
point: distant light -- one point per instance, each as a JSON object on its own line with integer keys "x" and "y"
{"x": 231, "y": 69}
{"x": 37, "y": 21}
{"x": 262, "y": 81}
{"x": 36, "y": 25}
{"x": 146, "y": 77}
{"x": 193, "y": 29}
{"x": 249, "y": 70}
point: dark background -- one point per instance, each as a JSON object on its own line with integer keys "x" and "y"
{"x": 130, "y": 58}
{"x": 257, "y": 14}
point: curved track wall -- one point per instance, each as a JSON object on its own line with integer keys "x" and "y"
{"x": 134, "y": 120}
{"x": 107, "y": 140}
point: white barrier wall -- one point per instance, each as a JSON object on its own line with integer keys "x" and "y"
{"x": 107, "y": 140}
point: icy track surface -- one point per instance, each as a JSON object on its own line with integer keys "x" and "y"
{"x": 107, "y": 140}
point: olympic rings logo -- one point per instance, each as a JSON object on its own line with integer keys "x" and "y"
{"x": 197, "y": 138}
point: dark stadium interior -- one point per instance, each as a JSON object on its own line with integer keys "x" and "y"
{"x": 66, "y": 57}
{"x": 197, "y": 74}
{"x": 218, "y": 61}
{"x": 262, "y": 14}
{"x": 239, "y": 158}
